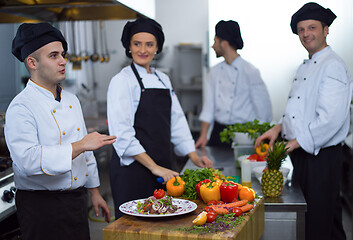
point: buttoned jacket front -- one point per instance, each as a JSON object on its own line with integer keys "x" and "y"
{"x": 39, "y": 133}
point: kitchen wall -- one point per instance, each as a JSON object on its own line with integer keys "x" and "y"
{"x": 271, "y": 46}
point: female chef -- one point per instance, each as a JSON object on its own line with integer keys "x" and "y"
{"x": 146, "y": 116}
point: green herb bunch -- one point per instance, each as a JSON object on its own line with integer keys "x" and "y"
{"x": 253, "y": 128}
{"x": 193, "y": 177}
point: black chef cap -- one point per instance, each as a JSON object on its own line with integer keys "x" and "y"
{"x": 230, "y": 31}
{"x": 312, "y": 11}
{"x": 32, "y": 36}
{"x": 142, "y": 25}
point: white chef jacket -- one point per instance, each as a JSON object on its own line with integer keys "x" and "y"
{"x": 123, "y": 98}
{"x": 236, "y": 93}
{"x": 39, "y": 131}
{"x": 317, "y": 113}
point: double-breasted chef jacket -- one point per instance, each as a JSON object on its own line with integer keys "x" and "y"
{"x": 39, "y": 131}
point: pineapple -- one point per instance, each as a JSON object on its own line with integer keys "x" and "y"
{"x": 272, "y": 178}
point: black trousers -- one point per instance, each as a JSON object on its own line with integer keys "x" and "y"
{"x": 54, "y": 215}
{"x": 319, "y": 178}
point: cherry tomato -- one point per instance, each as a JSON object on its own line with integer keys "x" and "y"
{"x": 159, "y": 193}
{"x": 238, "y": 212}
{"x": 211, "y": 216}
{"x": 207, "y": 209}
{"x": 220, "y": 202}
{"x": 212, "y": 202}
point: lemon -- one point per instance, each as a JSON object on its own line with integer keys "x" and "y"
{"x": 200, "y": 219}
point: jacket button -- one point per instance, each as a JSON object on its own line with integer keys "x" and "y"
{"x": 87, "y": 174}
{"x": 64, "y": 133}
{"x": 70, "y": 106}
{"x": 75, "y": 178}
{"x": 54, "y": 111}
{"x": 78, "y": 129}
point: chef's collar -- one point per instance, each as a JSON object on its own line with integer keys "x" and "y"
{"x": 45, "y": 91}
{"x": 144, "y": 70}
{"x": 236, "y": 62}
{"x": 318, "y": 54}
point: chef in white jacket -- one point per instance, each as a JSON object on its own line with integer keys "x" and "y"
{"x": 316, "y": 122}
{"x": 52, "y": 154}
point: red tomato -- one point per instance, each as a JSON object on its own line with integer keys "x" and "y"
{"x": 238, "y": 212}
{"x": 261, "y": 159}
{"x": 212, "y": 202}
{"x": 211, "y": 216}
{"x": 253, "y": 157}
{"x": 220, "y": 202}
{"x": 159, "y": 193}
{"x": 207, "y": 209}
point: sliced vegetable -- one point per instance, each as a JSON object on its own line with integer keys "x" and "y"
{"x": 200, "y": 219}
{"x": 175, "y": 187}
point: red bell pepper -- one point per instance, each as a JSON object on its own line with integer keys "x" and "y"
{"x": 199, "y": 185}
{"x": 229, "y": 192}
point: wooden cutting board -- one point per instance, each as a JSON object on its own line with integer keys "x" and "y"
{"x": 142, "y": 228}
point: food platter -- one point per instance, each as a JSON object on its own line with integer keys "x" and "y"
{"x": 184, "y": 206}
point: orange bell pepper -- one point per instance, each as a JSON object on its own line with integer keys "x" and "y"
{"x": 175, "y": 187}
{"x": 262, "y": 149}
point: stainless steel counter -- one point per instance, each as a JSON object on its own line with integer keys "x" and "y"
{"x": 290, "y": 201}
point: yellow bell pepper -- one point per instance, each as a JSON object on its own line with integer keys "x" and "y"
{"x": 211, "y": 191}
{"x": 175, "y": 187}
{"x": 262, "y": 149}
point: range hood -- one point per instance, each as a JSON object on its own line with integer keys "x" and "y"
{"x": 17, "y": 11}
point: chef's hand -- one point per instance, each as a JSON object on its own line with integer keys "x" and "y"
{"x": 291, "y": 145}
{"x": 91, "y": 142}
{"x": 155, "y": 169}
{"x": 271, "y": 135}
{"x": 201, "y": 142}
{"x": 203, "y": 161}
{"x": 99, "y": 202}
{"x": 165, "y": 173}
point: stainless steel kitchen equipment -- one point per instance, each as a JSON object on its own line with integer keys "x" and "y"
{"x": 12, "y": 11}
{"x": 8, "y": 220}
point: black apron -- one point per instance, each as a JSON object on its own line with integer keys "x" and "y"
{"x": 215, "y": 139}
{"x": 319, "y": 179}
{"x": 152, "y": 127}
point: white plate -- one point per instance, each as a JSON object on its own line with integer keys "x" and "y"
{"x": 184, "y": 206}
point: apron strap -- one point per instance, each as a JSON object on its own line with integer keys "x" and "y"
{"x": 139, "y": 79}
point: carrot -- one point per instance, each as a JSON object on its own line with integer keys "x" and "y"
{"x": 247, "y": 207}
{"x": 232, "y": 204}
{"x": 220, "y": 210}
